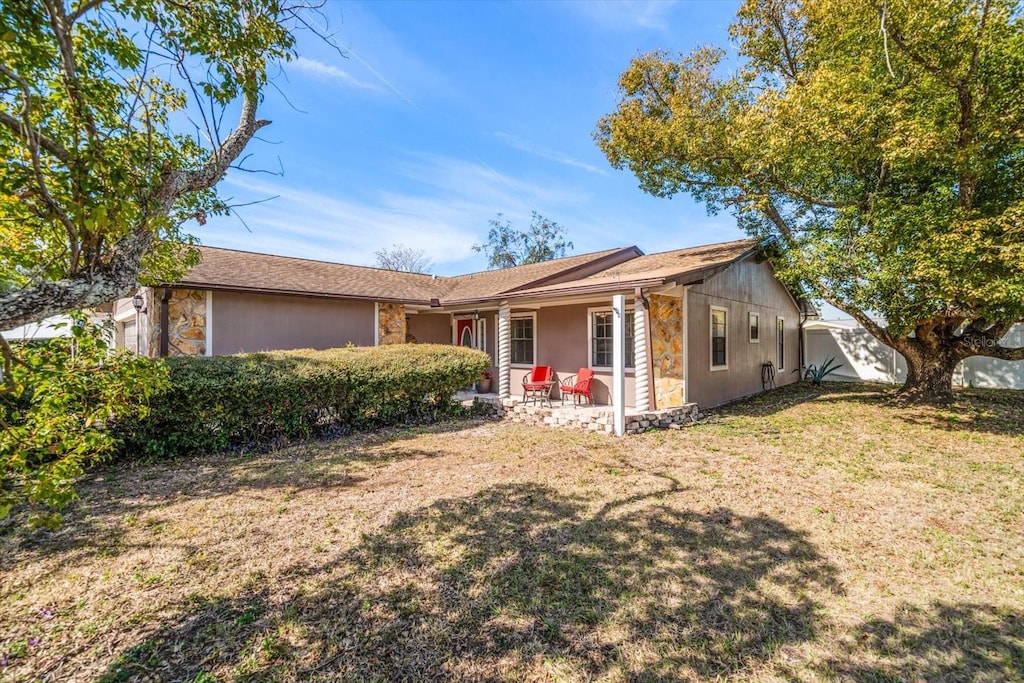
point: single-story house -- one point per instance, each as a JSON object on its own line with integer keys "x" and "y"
{"x": 701, "y": 324}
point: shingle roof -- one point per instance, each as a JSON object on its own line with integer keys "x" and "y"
{"x": 245, "y": 271}
{"x": 490, "y": 284}
{"x": 250, "y": 272}
{"x": 651, "y": 269}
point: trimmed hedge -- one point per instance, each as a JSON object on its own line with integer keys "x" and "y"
{"x": 252, "y": 400}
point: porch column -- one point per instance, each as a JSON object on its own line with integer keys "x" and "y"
{"x": 641, "y": 398}
{"x": 504, "y": 349}
{"x": 619, "y": 362}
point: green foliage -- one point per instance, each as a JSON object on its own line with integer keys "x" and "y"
{"x": 881, "y": 146}
{"x": 507, "y": 247}
{"x": 101, "y": 165}
{"x": 56, "y": 406}
{"x": 818, "y": 373}
{"x": 252, "y": 400}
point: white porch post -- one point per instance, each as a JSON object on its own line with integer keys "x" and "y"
{"x": 641, "y": 398}
{"x": 619, "y": 362}
{"x": 504, "y": 350}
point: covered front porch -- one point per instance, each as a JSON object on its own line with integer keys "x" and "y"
{"x": 597, "y": 418}
{"x": 633, "y": 342}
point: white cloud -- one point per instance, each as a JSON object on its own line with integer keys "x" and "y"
{"x": 557, "y": 157}
{"x": 645, "y": 14}
{"x": 317, "y": 68}
{"x": 443, "y": 211}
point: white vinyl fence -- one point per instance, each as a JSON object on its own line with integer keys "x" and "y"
{"x": 865, "y": 358}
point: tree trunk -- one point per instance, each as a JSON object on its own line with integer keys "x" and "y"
{"x": 929, "y": 376}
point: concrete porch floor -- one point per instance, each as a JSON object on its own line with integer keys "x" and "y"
{"x": 593, "y": 418}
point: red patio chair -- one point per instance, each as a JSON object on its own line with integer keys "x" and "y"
{"x": 537, "y": 385}
{"x": 578, "y": 386}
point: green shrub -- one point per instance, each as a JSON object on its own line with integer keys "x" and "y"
{"x": 56, "y": 404}
{"x": 251, "y": 400}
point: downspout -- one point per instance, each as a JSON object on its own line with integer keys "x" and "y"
{"x": 800, "y": 344}
{"x": 164, "y": 322}
{"x": 640, "y": 299}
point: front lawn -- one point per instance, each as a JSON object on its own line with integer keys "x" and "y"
{"x": 802, "y": 535}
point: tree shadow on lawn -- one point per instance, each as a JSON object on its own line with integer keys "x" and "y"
{"x": 114, "y": 494}
{"x": 994, "y": 411}
{"x": 519, "y": 581}
{"x": 945, "y": 642}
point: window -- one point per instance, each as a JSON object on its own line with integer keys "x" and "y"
{"x": 719, "y": 329}
{"x": 601, "y": 330}
{"x": 780, "y": 340}
{"x": 523, "y": 340}
{"x": 755, "y": 328}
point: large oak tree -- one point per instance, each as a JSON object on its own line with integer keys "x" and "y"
{"x": 880, "y": 146}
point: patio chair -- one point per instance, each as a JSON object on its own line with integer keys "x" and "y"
{"x": 578, "y": 386}
{"x": 537, "y": 384}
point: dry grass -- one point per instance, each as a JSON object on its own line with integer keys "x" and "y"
{"x": 798, "y": 536}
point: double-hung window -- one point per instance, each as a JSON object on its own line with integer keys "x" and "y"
{"x": 719, "y": 342}
{"x": 602, "y": 354}
{"x": 524, "y": 339}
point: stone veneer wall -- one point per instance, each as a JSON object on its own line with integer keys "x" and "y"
{"x": 588, "y": 419}
{"x": 391, "y": 324}
{"x": 186, "y": 322}
{"x": 667, "y": 350}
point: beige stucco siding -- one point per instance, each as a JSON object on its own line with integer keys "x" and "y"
{"x": 563, "y": 342}
{"x": 744, "y": 288}
{"x": 430, "y": 328}
{"x": 266, "y": 322}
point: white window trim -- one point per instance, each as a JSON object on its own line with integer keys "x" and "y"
{"x": 711, "y": 337}
{"x": 630, "y": 369}
{"x": 480, "y": 330}
{"x": 782, "y": 358}
{"x": 522, "y": 316}
{"x": 751, "y": 315}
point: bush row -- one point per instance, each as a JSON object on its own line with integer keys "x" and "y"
{"x": 250, "y": 400}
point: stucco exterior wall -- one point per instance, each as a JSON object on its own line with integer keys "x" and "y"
{"x": 744, "y": 288}
{"x": 563, "y": 342}
{"x": 265, "y": 322}
{"x": 430, "y": 328}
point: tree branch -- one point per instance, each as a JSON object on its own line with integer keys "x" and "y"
{"x": 83, "y": 8}
{"x": 32, "y": 135}
{"x": 179, "y": 182}
{"x": 116, "y": 276}
{"x": 1001, "y": 352}
{"x": 61, "y": 25}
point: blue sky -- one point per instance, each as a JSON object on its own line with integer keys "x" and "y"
{"x": 442, "y": 115}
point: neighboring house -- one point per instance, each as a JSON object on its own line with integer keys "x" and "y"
{"x": 864, "y": 358}
{"x": 700, "y": 323}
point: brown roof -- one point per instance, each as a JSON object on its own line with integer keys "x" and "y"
{"x": 681, "y": 266}
{"x": 489, "y": 284}
{"x": 245, "y": 271}
{"x": 250, "y": 272}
